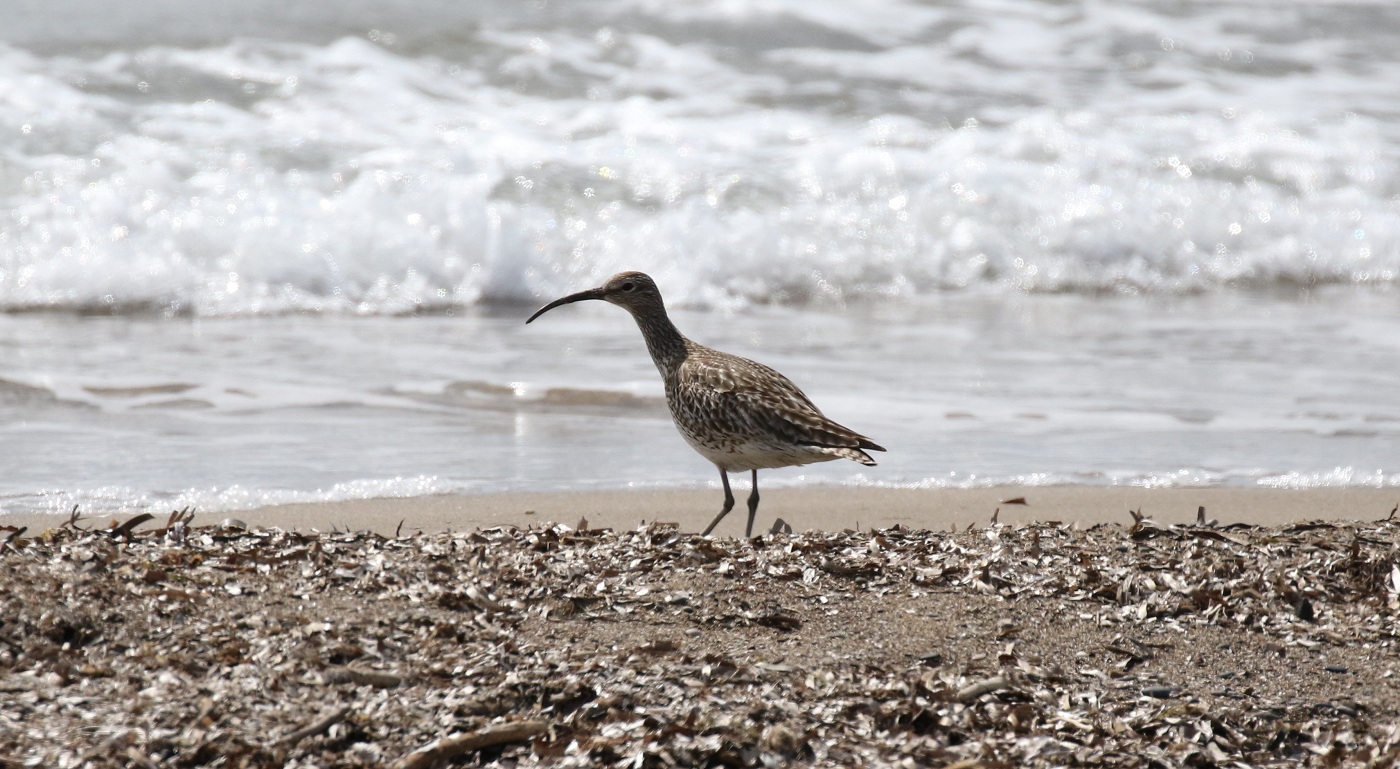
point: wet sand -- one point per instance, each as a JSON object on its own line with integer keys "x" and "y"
{"x": 813, "y": 508}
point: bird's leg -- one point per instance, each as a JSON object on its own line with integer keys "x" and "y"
{"x": 728, "y": 505}
{"x": 753, "y": 505}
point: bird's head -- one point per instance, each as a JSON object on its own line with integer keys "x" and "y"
{"x": 635, "y": 292}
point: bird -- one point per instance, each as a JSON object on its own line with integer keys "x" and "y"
{"x": 737, "y": 413}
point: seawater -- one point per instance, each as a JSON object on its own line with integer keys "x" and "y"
{"x": 275, "y": 253}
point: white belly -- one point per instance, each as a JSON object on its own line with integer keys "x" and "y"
{"x": 756, "y": 455}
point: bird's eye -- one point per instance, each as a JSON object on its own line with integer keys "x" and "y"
{"x": 628, "y": 286}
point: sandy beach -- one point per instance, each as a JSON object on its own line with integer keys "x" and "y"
{"x": 1131, "y": 644}
{"x": 811, "y": 508}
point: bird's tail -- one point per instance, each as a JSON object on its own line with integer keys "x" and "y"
{"x": 855, "y": 455}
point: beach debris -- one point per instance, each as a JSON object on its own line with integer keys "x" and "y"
{"x": 1036, "y": 645}
{"x": 319, "y": 726}
{"x": 1304, "y": 610}
{"x": 987, "y": 686}
{"x": 348, "y": 675}
{"x": 126, "y": 527}
{"x": 441, "y": 751}
{"x": 14, "y": 533}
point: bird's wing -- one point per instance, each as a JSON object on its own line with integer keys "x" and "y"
{"x": 753, "y": 399}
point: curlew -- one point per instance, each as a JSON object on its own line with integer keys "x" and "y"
{"x": 738, "y": 414}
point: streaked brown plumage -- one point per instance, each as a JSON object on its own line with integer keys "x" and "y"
{"x": 739, "y": 414}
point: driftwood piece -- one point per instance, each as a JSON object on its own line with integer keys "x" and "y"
{"x": 379, "y": 679}
{"x": 443, "y": 750}
{"x": 973, "y": 691}
{"x": 314, "y": 728}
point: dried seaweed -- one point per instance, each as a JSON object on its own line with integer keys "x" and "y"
{"x": 1040, "y": 645}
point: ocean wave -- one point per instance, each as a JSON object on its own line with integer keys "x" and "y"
{"x": 511, "y": 163}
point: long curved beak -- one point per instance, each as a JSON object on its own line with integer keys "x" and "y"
{"x": 592, "y": 293}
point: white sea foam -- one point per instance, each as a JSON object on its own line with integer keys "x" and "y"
{"x": 1338, "y": 477}
{"x": 121, "y": 500}
{"x": 884, "y": 152}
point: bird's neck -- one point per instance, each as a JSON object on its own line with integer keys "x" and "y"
{"x": 664, "y": 342}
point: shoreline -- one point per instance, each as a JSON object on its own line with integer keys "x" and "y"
{"x": 804, "y": 509}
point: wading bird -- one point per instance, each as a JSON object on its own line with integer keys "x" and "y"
{"x": 738, "y": 414}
